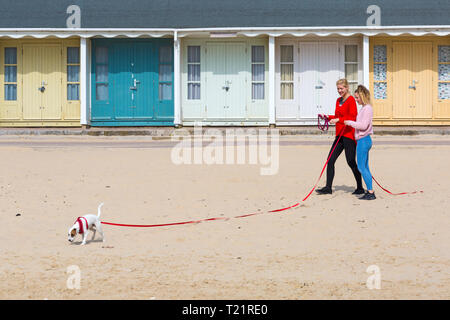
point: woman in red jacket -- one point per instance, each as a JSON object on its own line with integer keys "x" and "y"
{"x": 345, "y": 110}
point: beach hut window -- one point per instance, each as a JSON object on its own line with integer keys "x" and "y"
{"x": 10, "y": 83}
{"x": 165, "y": 73}
{"x": 380, "y": 72}
{"x": 73, "y": 73}
{"x": 101, "y": 74}
{"x": 287, "y": 72}
{"x": 258, "y": 72}
{"x": 193, "y": 73}
{"x": 444, "y": 72}
{"x": 351, "y": 66}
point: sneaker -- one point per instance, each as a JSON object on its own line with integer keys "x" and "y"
{"x": 324, "y": 190}
{"x": 368, "y": 196}
{"x": 364, "y": 196}
{"x": 358, "y": 191}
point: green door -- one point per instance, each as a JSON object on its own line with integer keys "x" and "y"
{"x": 226, "y": 87}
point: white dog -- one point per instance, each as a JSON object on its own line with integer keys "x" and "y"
{"x": 85, "y": 223}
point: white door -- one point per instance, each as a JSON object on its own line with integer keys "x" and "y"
{"x": 225, "y": 81}
{"x": 310, "y": 86}
{"x": 316, "y": 70}
{"x": 327, "y": 77}
{"x": 319, "y": 71}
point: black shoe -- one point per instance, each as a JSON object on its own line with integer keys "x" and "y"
{"x": 368, "y": 196}
{"x": 324, "y": 190}
{"x": 358, "y": 191}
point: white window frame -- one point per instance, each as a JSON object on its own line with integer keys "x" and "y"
{"x": 251, "y": 71}
{"x": 188, "y": 82}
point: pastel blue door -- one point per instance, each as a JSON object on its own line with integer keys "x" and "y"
{"x": 132, "y": 83}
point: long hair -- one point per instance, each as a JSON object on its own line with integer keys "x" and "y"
{"x": 364, "y": 94}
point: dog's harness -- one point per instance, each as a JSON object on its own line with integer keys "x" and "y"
{"x": 80, "y": 225}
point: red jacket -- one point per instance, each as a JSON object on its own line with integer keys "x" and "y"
{"x": 348, "y": 111}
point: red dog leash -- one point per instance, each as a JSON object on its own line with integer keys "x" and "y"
{"x": 395, "y": 194}
{"x": 323, "y": 127}
{"x": 236, "y": 217}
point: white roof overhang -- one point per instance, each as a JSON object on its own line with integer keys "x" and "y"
{"x": 248, "y": 32}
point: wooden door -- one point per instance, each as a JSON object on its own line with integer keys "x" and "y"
{"x": 32, "y": 82}
{"x": 215, "y": 80}
{"x": 422, "y": 74}
{"x": 42, "y": 84}
{"x": 328, "y": 55}
{"x": 142, "y": 81}
{"x": 403, "y": 101}
{"x": 319, "y": 71}
{"x": 235, "y": 95}
{"x": 309, "y": 81}
{"x": 123, "y": 97}
{"x": 225, "y": 81}
{"x": 51, "y": 79}
{"x": 413, "y": 80}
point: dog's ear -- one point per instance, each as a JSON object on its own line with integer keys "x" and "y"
{"x": 73, "y": 233}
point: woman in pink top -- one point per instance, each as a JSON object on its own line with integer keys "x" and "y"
{"x": 363, "y": 130}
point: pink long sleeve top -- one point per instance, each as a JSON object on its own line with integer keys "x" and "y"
{"x": 363, "y": 123}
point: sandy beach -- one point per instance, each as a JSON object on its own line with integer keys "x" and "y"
{"x": 319, "y": 250}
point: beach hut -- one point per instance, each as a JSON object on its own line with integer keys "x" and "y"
{"x": 40, "y": 82}
{"x": 276, "y": 63}
{"x": 410, "y": 79}
{"x": 220, "y": 63}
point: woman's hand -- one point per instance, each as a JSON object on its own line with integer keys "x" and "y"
{"x": 334, "y": 121}
{"x": 347, "y": 122}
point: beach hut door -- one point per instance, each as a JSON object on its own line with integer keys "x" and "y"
{"x": 42, "y": 82}
{"x": 225, "y": 79}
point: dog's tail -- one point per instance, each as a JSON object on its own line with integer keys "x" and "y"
{"x": 99, "y": 210}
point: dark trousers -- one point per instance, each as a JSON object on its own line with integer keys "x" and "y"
{"x": 349, "y": 146}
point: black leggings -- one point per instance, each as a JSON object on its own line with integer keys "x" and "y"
{"x": 350, "y": 154}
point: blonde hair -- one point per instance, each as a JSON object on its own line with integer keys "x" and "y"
{"x": 343, "y": 82}
{"x": 364, "y": 94}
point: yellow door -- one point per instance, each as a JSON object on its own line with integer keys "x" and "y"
{"x": 403, "y": 94}
{"x": 32, "y": 82}
{"x": 42, "y": 82}
{"x": 422, "y": 66}
{"x": 52, "y": 81}
{"x": 413, "y": 80}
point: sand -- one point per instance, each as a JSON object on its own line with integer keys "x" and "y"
{"x": 320, "y": 250}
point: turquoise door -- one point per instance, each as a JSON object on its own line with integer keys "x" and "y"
{"x": 132, "y": 82}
